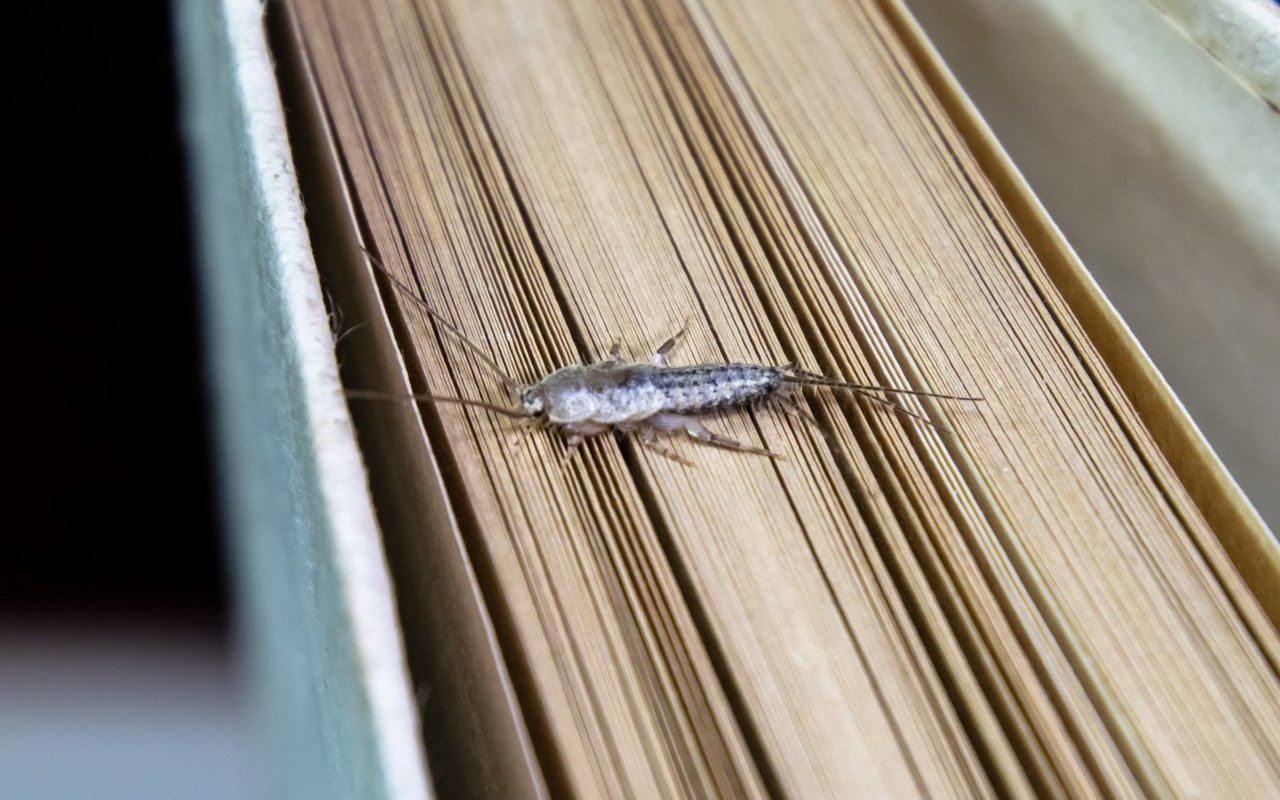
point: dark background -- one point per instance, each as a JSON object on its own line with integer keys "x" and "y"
{"x": 114, "y": 483}
{"x": 120, "y": 675}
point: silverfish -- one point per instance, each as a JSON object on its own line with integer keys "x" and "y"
{"x": 648, "y": 398}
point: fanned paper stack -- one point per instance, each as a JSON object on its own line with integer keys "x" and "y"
{"x": 1054, "y": 592}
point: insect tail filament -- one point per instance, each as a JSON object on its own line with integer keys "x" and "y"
{"x": 814, "y": 379}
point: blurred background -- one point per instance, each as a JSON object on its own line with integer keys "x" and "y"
{"x": 117, "y": 670}
{"x": 1148, "y": 129}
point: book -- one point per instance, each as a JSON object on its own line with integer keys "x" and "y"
{"x": 1053, "y": 592}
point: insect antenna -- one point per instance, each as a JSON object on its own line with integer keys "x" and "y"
{"x": 508, "y": 383}
{"x": 365, "y": 394}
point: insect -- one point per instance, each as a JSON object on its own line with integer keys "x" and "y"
{"x": 650, "y": 398}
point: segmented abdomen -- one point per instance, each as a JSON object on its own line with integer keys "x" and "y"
{"x": 690, "y": 390}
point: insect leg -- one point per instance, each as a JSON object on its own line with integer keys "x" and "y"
{"x": 578, "y": 431}
{"x": 792, "y": 408}
{"x": 615, "y": 353}
{"x": 571, "y": 447}
{"x": 660, "y": 355}
{"x": 650, "y": 441}
{"x": 523, "y": 428}
{"x": 696, "y": 430}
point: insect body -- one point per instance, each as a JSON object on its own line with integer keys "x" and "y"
{"x": 648, "y": 398}
{"x": 616, "y": 395}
